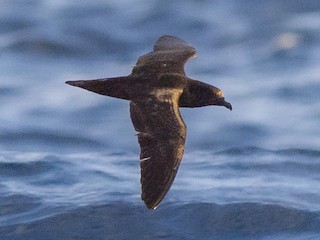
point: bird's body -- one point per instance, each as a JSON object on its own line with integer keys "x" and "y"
{"x": 156, "y": 88}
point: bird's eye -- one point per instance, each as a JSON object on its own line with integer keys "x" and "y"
{"x": 220, "y": 93}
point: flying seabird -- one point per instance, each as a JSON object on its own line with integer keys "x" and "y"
{"x": 156, "y": 88}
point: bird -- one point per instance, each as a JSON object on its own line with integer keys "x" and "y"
{"x": 156, "y": 88}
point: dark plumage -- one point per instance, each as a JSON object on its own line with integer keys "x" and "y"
{"x": 156, "y": 88}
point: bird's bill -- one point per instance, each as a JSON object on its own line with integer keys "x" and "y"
{"x": 223, "y": 102}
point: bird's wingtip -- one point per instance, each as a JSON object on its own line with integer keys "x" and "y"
{"x": 152, "y": 206}
{"x": 79, "y": 83}
{"x": 72, "y": 83}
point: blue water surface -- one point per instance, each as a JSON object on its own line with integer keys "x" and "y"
{"x": 69, "y": 159}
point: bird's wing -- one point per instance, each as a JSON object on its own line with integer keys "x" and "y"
{"x": 161, "y": 134}
{"x": 169, "y": 56}
{"x": 171, "y": 43}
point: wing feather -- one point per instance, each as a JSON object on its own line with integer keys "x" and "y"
{"x": 161, "y": 134}
{"x": 169, "y": 55}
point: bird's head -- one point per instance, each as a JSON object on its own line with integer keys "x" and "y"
{"x": 216, "y": 97}
{"x": 199, "y": 94}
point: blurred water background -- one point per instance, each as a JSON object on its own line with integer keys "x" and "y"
{"x": 69, "y": 164}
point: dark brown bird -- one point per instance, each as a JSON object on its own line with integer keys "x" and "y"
{"x": 156, "y": 88}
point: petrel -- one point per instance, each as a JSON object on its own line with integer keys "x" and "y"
{"x": 156, "y": 88}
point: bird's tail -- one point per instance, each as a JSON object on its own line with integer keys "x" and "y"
{"x": 113, "y": 87}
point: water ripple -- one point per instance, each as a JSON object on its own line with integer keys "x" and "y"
{"x": 189, "y": 221}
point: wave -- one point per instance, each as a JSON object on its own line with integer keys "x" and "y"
{"x": 190, "y": 221}
{"x": 251, "y": 150}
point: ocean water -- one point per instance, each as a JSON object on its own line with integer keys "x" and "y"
{"x": 69, "y": 159}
